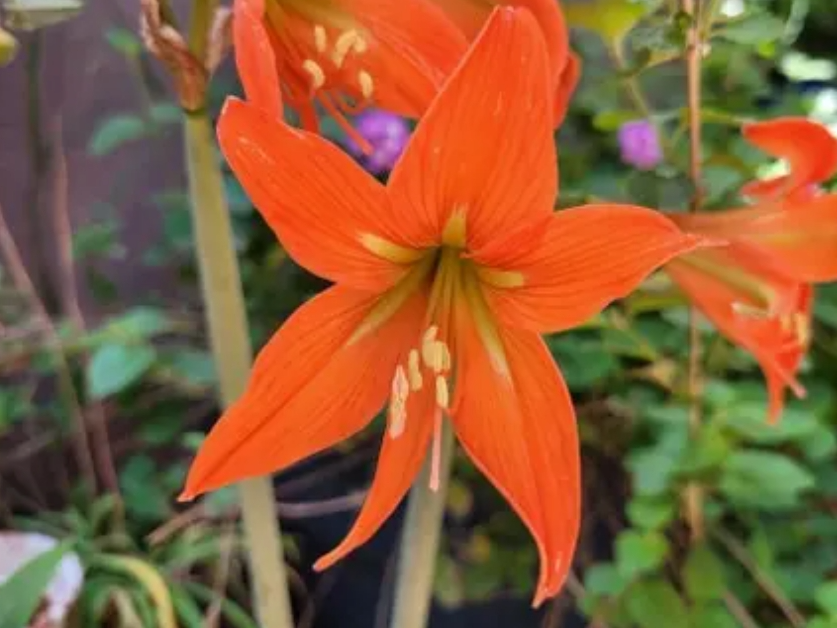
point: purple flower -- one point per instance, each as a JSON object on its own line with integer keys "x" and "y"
{"x": 386, "y": 132}
{"x": 640, "y": 145}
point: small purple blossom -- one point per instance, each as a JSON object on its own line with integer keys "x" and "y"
{"x": 386, "y": 132}
{"x": 640, "y": 145}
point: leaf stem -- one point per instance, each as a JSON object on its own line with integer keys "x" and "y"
{"x": 420, "y": 542}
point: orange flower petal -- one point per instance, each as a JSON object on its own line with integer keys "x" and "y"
{"x": 310, "y": 388}
{"x": 399, "y": 463}
{"x": 567, "y": 83}
{"x": 800, "y": 236}
{"x": 808, "y": 147}
{"x": 316, "y": 199}
{"x": 518, "y": 426}
{"x": 254, "y": 57}
{"x": 470, "y": 16}
{"x": 484, "y": 149}
{"x": 588, "y": 257}
{"x": 414, "y": 47}
{"x": 775, "y": 342}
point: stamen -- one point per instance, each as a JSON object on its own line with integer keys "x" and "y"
{"x": 442, "y": 392}
{"x": 436, "y": 459}
{"x": 317, "y": 75}
{"x": 414, "y": 371}
{"x": 398, "y": 403}
{"x": 367, "y": 85}
{"x": 802, "y": 328}
{"x": 320, "y": 38}
{"x": 346, "y": 42}
{"x": 750, "y": 311}
{"x": 428, "y": 342}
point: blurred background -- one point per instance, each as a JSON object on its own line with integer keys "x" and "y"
{"x": 106, "y": 382}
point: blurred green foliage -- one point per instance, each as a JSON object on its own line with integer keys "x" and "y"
{"x": 770, "y": 555}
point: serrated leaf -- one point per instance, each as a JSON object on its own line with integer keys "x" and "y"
{"x": 22, "y": 592}
{"x": 703, "y": 575}
{"x": 115, "y": 131}
{"x": 114, "y": 367}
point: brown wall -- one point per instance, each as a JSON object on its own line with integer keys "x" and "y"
{"x": 68, "y": 77}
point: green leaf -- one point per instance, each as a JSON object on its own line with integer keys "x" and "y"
{"x": 712, "y": 616}
{"x": 22, "y": 592}
{"x": 705, "y": 453}
{"x": 114, "y": 367}
{"x": 656, "y": 604}
{"x": 756, "y": 28}
{"x": 761, "y": 479}
{"x": 116, "y": 131}
{"x": 610, "y": 19}
{"x": 196, "y": 368}
{"x": 603, "y": 580}
{"x": 826, "y": 598}
{"x": 651, "y": 513}
{"x": 639, "y": 553}
{"x": 703, "y": 575}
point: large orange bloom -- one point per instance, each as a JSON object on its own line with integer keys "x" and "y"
{"x": 444, "y": 281}
{"x": 757, "y": 290}
{"x": 348, "y": 54}
{"x": 564, "y": 65}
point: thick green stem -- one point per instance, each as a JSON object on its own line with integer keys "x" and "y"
{"x": 420, "y": 542}
{"x": 227, "y": 323}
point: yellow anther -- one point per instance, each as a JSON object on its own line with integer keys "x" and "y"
{"x": 428, "y": 346}
{"x": 367, "y": 85}
{"x": 389, "y": 250}
{"x": 802, "y": 328}
{"x": 439, "y": 357}
{"x": 414, "y": 371}
{"x": 346, "y": 42}
{"x": 442, "y": 392}
{"x": 750, "y": 311}
{"x": 317, "y": 75}
{"x": 398, "y": 403}
{"x": 320, "y": 38}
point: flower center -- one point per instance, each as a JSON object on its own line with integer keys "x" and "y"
{"x": 321, "y": 54}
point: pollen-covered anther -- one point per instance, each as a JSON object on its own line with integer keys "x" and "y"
{"x": 320, "y": 38}
{"x": 398, "y": 403}
{"x": 442, "y": 392}
{"x": 750, "y": 311}
{"x": 316, "y": 72}
{"x": 348, "y": 41}
{"x": 802, "y": 328}
{"x": 367, "y": 85}
{"x": 428, "y": 347}
{"x": 414, "y": 371}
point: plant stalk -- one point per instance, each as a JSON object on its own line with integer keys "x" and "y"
{"x": 420, "y": 542}
{"x": 230, "y": 342}
{"x": 694, "y": 491}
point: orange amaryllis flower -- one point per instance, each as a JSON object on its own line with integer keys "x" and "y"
{"x": 757, "y": 290}
{"x": 444, "y": 280}
{"x": 347, "y": 54}
{"x": 565, "y": 66}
